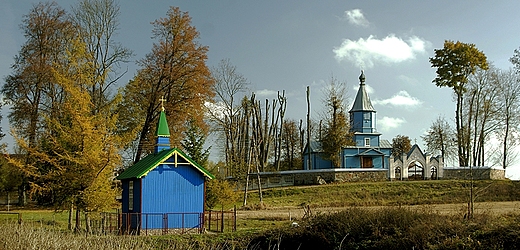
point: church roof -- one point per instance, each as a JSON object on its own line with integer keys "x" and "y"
{"x": 370, "y": 152}
{"x": 172, "y": 156}
{"x": 385, "y": 144}
{"x": 315, "y": 147}
{"x": 362, "y": 101}
{"x": 162, "y": 126}
{"x": 414, "y": 147}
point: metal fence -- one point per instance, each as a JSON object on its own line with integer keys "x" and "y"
{"x": 176, "y": 223}
{"x": 221, "y": 221}
{"x": 145, "y": 223}
{"x": 11, "y": 216}
{"x": 160, "y": 223}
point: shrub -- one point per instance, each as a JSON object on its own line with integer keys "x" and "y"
{"x": 394, "y": 228}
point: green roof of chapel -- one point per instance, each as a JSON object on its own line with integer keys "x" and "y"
{"x": 151, "y": 161}
{"x": 162, "y": 126}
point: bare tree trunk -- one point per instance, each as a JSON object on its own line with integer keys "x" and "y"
{"x": 88, "y": 227}
{"x": 259, "y": 186}
{"x": 71, "y": 211}
{"x": 77, "y": 228}
{"x": 8, "y": 202}
{"x": 302, "y": 142}
{"x": 247, "y": 179}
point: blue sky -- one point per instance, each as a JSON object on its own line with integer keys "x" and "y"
{"x": 289, "y": 45}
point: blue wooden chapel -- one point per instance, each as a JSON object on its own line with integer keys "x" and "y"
{"x": 370, "y": 152}
{"x": 164, "y": 190}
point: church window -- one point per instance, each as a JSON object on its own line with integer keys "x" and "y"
{"x": 366, "y": 116}
{"x": 367, "y": 142}
{"x": 130, "y": 195}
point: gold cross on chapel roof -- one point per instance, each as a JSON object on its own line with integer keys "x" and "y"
{"x": 162, "y": 102}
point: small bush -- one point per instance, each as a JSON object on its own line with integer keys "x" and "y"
{"x": 394, "y": 228}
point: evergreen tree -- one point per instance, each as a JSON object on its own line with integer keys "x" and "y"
{"x": 193, "y": 144}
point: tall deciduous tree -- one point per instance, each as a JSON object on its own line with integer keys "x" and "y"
{"x": 292, "y": 146}
{"x": 175, "y": 70}
{"x": 77, "y": 150}
{"x": 97, "y": 23}
{"x": 30, "y": 89}
{"x": 480, "y": 111}
{"x": 440, "y": 138}
{"x": 508, "y": 113}
{"x": 336, "y": 133}
{"x": 229, "y": 116}
{"x": 455, "y": 62}
{"x": 401, "y": 144}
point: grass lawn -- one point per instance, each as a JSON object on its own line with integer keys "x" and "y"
{"x": 278, "y": 202}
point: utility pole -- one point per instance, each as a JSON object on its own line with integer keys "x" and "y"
{"x": 309, "y": 162}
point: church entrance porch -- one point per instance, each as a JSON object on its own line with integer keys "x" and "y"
{"x": 366, "y": 162}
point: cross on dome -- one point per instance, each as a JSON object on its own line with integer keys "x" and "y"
{"x": 162, "y": 102}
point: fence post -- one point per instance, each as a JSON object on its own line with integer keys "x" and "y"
{"x": 209, "y": 221}
{"x": 183, "y": 223}
{"x": 165, "y": 223}
{"x": 218, "y": 220}
{"x": 222, "y": 216}
{"x": 234, "y": 218}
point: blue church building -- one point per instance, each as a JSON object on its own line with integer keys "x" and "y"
{"x": 370, "y": 152}
{"x": 165, "y": 190}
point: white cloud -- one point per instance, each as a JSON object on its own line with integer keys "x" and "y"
{"x": 266, "y": 93}
{"x": 387, "y": 123}
{"x": 391, "y": 49}
{"x": 402, "y": 98}
{"x": 408, "y": 79}
{"x": 356, "y": 17}
{"x": 216, "y": 110}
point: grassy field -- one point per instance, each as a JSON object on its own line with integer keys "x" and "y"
{"x": 257, "y": 222}
{"x": 387, "y": 193}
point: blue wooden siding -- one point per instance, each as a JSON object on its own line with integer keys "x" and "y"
{"x": 360, "y": 124}
{"x": 162, "y": 144}
{"x": 133, "y": 220}
{"x": 170, "y": 189}
{"x": 317, "y": 162}
{"x": 360, "y": 140}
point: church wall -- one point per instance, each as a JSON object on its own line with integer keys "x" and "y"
{"x": 173, "y": 190}
{"x": 387, "y": 153}
{"x": 361, "y": 176}
{"x": 360, "y": 140}
{"x": 351, "y": 162}
{"x": 317, "y": 162}
{"x": 363, "y": 125}
{"x": 313, "y": 177}
{"x": 356, "y": 116}
{"x": 125, "y": 197}
{"x": 464, "y": 173}
{"x": 377, "y": 162}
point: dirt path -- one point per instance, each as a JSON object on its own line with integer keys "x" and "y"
{"x": 286, "y": 213}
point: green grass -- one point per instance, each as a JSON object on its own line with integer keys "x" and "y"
{"x": 387, "y": 193}
{"x": 50, "y": 227}
{"x": 337, "y": 195}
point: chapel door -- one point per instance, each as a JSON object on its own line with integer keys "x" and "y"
{"x": 367, "y": 162}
